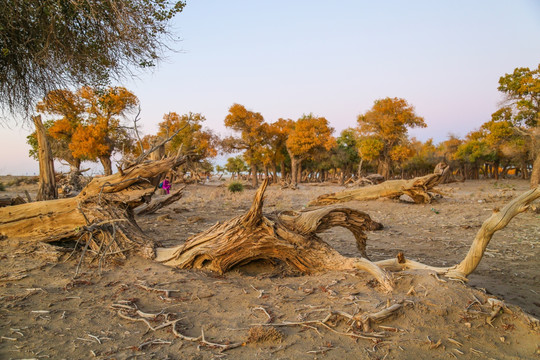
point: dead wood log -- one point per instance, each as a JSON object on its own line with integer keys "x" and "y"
{"x": 159, "y": 202}
{"x": 290, "y": 237}
{"x": 416, "y": 188}
{"x": 10, "y": 201}
{"x": 497, "y": 221}
{"x": 100, "y": 216}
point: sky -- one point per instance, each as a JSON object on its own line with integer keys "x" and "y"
{"x": 286, "y": 58}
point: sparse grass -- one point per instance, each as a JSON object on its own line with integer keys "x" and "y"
{"x": 260, "y": 334}
{"x": 235, "y": 186}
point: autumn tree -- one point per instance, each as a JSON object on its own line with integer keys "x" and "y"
{"x": 308, "y": 135}
{"x": 345, "y": 154}
{"x": 474, "y": 152}
{"x": 448, "y": 148}
{"x": 417, "y": 157}
{"x": 86, "y": 124}
{"x": 387, "y": 123}
{"x": 522, "y": 108}
{"x": 47, "y": 44}
{"x": 193, "y": 140}
{"x": 402, "y": 154}
{"x": 275, "y": 144}
{"x": 500, "y": 136}
{"x": 369, "y": 150}
{"x": 68, "y": 106}
{"x": 235, "y": 165}
{"x": 101, "y": 133}
{"x": 250, "y": 137}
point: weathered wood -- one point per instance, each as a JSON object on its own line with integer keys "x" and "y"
{"x": 101, "y": 214}
{"x": 290, "y": 237}
{"x": 10, "y": 201}
{"x": 416, "y": 188}
{"x": 497, "y": 221}
{"x": 47, "y": 183}
{"x": 159, "y": 202}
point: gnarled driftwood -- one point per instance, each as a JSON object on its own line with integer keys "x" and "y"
{"x": 289, "y": 236}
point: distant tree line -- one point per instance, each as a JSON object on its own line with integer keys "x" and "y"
{"x": 92, "y": 125}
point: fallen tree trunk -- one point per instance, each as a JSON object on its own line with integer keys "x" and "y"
{"x": 159, "y": 202}
{"x": 100, "y": 216}
{"x": 416, "y": 188}
{"x": 497, "y": 221}
{"x": 290, "y": 237}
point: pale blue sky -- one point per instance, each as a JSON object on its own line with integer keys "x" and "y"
{"x": 332, "y": 58}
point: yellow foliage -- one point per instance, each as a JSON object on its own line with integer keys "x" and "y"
{"x": 309, "y": 134}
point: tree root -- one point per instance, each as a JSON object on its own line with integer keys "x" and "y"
{"x": 361, "y": 321}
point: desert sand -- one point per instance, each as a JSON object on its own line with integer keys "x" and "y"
{"x": 273, "y": 313}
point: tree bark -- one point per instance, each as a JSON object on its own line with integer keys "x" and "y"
{"x": 416, "y": 188}
{"x": 535, "y": 173}
{"x": 294, "y": 170}
{"x": 497, "y": 221}
{"x": 47, "y": 183}
{"x": 254, "y": 180}
{"x": 159, "y": 202}
{"x": 384, "y": 168}
{"x": 107, "y": 165}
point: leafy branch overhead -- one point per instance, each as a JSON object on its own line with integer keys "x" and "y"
{"x": 48, "y": 44}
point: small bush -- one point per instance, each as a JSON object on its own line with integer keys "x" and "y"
{"x": 2, "y": 187}
{"x": 235, "y": 186}
{"x": 261, "y": 334}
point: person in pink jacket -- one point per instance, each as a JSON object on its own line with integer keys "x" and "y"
{"x": 166, "y": 185}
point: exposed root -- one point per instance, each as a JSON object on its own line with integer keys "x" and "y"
{"x": 362, "y": 321}
{"x": 129, "y": 311}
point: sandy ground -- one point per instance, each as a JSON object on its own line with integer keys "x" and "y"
{"x": 45, "y": 313}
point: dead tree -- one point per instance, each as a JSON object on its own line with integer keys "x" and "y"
{"x": 416, "y": 188}
{"x": 100, "y": 217}
{"x": 159, "y": 202}
{"x": 291, "y": 237}
{"x": 47, "y": 184}
{"x": 497, "y": 221}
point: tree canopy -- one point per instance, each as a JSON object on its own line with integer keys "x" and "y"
{"x": 308, "y": 135}
{"x": 89, "y": 125}
{"x": 49, "y": 44}
{"x": 522, "y": 110}
{"x": 388, "y": 122}
{"x": 250, "y": 127}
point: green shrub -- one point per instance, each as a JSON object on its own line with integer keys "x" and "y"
{"x": 236, "y": 186}
{"x": 2, "y": 187}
